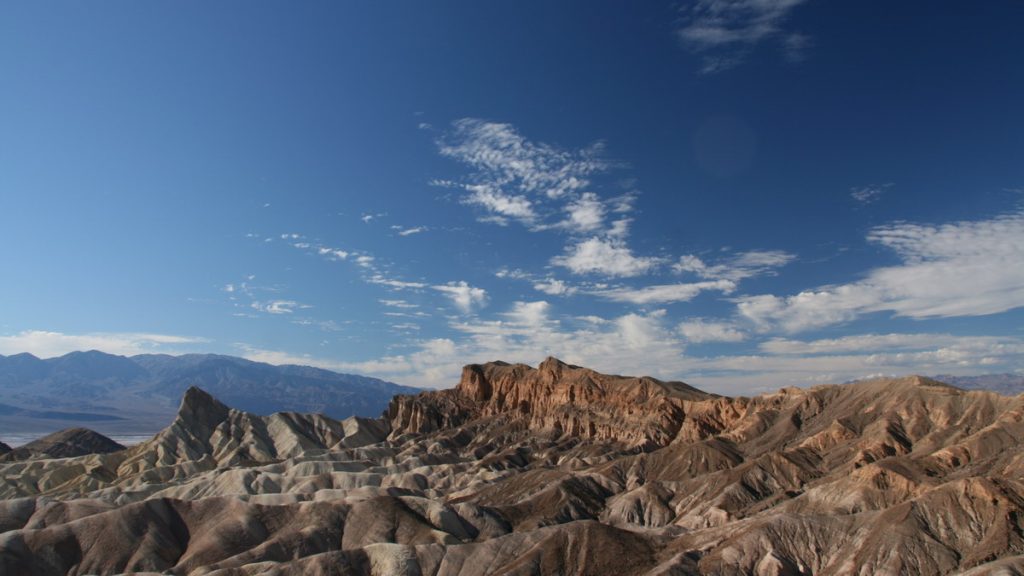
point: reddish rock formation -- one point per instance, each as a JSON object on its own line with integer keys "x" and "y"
{"x": 556, "y": 398}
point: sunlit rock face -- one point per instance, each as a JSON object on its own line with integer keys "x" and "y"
{"x": 549, "y": 470}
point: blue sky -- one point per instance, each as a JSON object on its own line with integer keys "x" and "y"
{"x": 741, "y": 194}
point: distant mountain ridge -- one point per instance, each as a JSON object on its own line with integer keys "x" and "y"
{"x": 141, "y": 393}
{"x": 1006, "y": 384}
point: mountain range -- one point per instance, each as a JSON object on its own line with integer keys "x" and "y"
{"x": 555, "y": 469}
{"x": 139, "y": 394}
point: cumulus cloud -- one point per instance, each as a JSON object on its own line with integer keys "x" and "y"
{"x": 465, "y": 297}
{"x": 698, "y": 331}
{"x": 725, "y": 31}
{"x": 47, "y": 344}
{"x": 605, "y": 256}
{"x": 967, "y": 268}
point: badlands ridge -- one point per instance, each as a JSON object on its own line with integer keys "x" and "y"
{"x": 549, "y": 470}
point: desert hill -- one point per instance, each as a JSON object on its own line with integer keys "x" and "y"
{"x": 550, "y": 470}
{"x": 63, "y": 444}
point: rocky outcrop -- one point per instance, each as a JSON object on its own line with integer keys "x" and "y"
{"x": 550, "y": 470}
{"x": 556, "y": 398}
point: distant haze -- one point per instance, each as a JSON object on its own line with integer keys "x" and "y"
{"x": 127, "y": 396}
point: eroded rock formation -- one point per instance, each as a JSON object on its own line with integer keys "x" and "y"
{"x": 549, "y": 470}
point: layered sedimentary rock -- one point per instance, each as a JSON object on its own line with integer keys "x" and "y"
{"x": 548, "y": 470}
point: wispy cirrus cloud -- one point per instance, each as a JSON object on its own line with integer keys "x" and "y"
{"x": 403, "y": 231}
{"x": 665, "y": 293}
{"x": 869, "y": 194}
{"x": 723, "y": 277}
{"x": 515, "y": 179}
{"x": 278, "y": 306}
{"x": 546, "y": 284}
{"x": 546, "y": 188}
{"x": 724, "y": 32}
{"x": 967, "y": 268}
{"x": 739, "y": 267}
{"x": 500, "y": 205}
{"x": 398, "y": 303}
{"x": 989, "y": 346}
{"x": 505, "y": 158}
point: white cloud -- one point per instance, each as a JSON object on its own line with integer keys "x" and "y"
{"x": 515, "y": 274}
{"x": 724, "y": 31}
{"x": 631, "y": 344}
{"x": 605, "y": 256}
{"x": 586, "y": 214}
{"x": 411, "y": 231}
{"x": 382, "y": 280}
{"x": 650, "y": 344}
{"x": 333, "y": 253}
{"x": 504, "y": 159}
{"x": 698, "y": 331}
{"x": 398, "y": 304}
{"x": 968, "y": 268}
{"x": 278, "y": 306}
{"x": 499, "y": 203}
{"x": 875, "y": 343}
{"x": 47, "y": 344}
{"x": 868, "y": 194}
{"x": 547, "y": 285}
{"x": 665, "y": 293}
{"x": 619, "y": 230}
{"x": 406, "y": 327}
{"x": 544, "y": 187}
{"x": 554, "y": 287}
{"x": 742, "y": 266}
{"x": 465, "y": 297}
